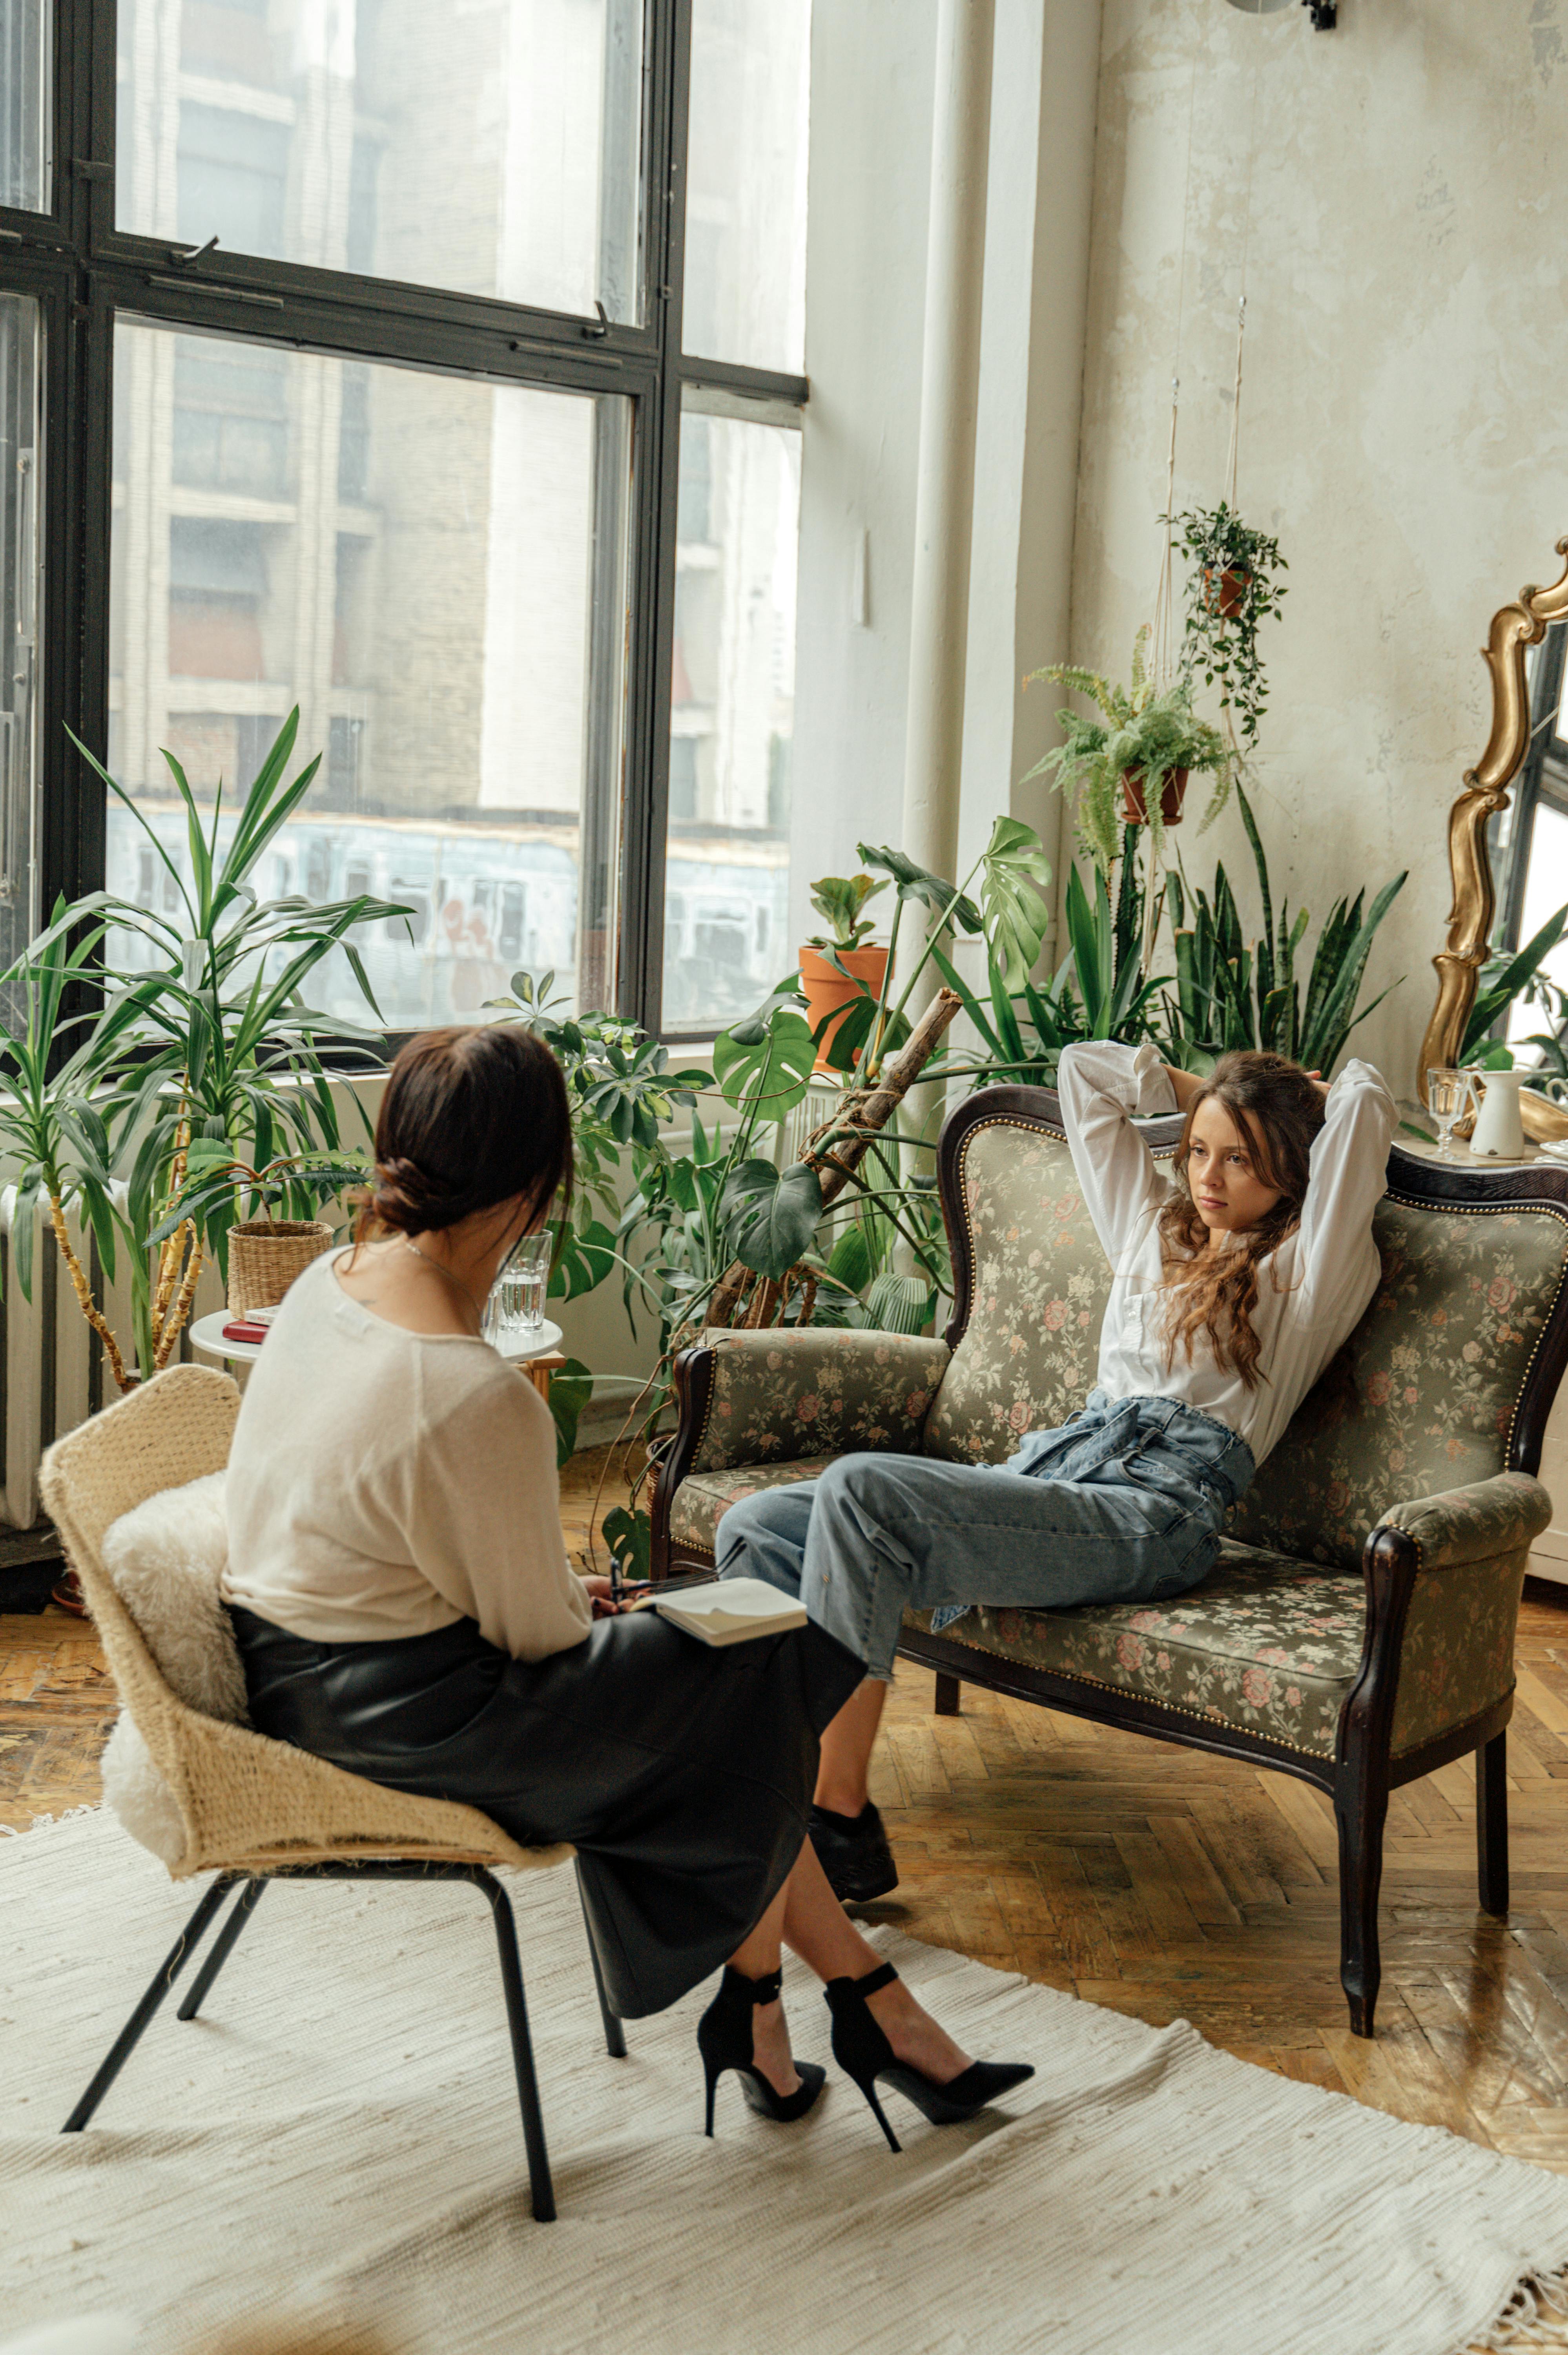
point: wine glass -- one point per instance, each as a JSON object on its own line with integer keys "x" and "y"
{"x": 1447, "y": 1095}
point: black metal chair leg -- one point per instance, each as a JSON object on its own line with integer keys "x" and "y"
{"x": 223, "y": 1946}
{"x": 614, "y": 2034}
{"x": 1491, "y": 1822}
{"x": 125, "y": 2043}
{"x": 522, "y": 2049}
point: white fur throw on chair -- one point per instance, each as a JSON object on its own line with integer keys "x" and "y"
{"x": 165, "y": 1558}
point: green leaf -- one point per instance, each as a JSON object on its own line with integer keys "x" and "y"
{"x": 1017, "y": 917}
{"x": 768, "y": 1219}
{"x": 770, "y": 1077}
{"x": 585, "y": 1258}
{"x": 914, "y": 881}
{"x": 899, "y": 1303}
{"x": 838, "y": 900}
{"x": 1503, "y": 980}
{"x": 571, "y": 1389}
{"x": 850, "y": 1261}
{"x": 628, "y": 1534}
{"x": 1321, "y": 1046}
{"x": 753, "y": 1029}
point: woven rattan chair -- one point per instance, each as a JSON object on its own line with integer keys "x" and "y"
{"x": 254, "y": 1809}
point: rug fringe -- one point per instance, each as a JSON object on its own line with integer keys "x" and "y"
{"x": 1535, "y": 2319}
{"x": 44, "y": 1822}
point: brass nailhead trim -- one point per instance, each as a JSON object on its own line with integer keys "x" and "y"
{"x": 1124, "y": 1692}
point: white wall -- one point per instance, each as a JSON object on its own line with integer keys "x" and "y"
{"x": 866, "y": 268}
{"x": 1389, "y": 191}
{"x": 871, "y": 67}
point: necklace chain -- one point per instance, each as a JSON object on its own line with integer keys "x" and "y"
{"x": 409, "y": 1245}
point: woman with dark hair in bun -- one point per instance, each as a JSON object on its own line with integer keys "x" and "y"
{"x": 404, "y": 1609}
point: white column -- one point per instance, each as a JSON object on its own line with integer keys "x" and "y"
{"x": 944, "y": 507}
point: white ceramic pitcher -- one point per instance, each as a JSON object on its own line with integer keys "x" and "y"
{"x": 1499, "y": 1129}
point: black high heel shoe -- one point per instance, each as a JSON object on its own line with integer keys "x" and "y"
{"x": 863, "y": 2053}
{"x": 724, "y": 2042}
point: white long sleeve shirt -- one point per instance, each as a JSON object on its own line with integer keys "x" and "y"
{"x": 384, "y": 1483}
{"x": 1312, "y": 1290}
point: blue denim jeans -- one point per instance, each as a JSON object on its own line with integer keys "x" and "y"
{"x": 1124, "y": 1504}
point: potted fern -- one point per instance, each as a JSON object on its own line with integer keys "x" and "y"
{"x": 1131, "y": 765}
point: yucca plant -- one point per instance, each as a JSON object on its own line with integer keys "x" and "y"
{"x": 213, "y": 1041}
{"x": 51, "y": 1128}
{"x": 1233, "y": 993}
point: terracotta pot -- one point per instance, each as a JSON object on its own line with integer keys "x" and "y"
{"x": 828, "y": 991}
{"x": 66, "y": 1594}
{"x": 1173, "y": 794}
{"x": 1226, "y": 593}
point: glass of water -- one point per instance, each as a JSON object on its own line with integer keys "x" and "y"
{"x": 1447, "y": 1095}
{"x": 517, "y": 1303}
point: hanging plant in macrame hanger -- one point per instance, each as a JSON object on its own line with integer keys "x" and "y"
{"x": 1233, "y": 587}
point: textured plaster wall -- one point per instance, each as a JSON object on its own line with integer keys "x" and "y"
{"x": 1391, "y": 194}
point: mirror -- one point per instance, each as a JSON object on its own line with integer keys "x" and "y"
{"x": 1524, "y": 715}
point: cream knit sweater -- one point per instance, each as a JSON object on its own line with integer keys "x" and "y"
{"x": 385, "y": 1483}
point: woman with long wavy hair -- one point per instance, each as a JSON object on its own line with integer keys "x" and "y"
{"x": 1234, "y": 1282}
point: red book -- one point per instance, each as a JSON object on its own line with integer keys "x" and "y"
{"x": 240, "y": 1330}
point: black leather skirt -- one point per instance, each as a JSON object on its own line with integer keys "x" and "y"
{"x": 682, "y": 1774}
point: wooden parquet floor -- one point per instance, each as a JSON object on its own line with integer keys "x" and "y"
{"x": 1139, "y": 1875}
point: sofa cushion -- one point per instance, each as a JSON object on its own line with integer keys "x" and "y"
{"x": 1436, "y": 1368}
{"x": 814, "y": 1390}
{"x": 702, "y": 1498}
{"x": 1264, "y": 1642}
{"x": 1027, "y": 1359}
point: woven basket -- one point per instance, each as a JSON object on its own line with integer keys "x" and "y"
{"x": 266, "y": 1254}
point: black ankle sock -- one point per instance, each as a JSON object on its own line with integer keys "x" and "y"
{"x": 847, "y": 1823}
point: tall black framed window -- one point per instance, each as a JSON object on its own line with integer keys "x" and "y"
{"x": 440, "y": 371}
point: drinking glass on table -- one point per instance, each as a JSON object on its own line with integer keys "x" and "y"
{"x": 1448, "y": 1096}
{"x": 517, "y": 1303}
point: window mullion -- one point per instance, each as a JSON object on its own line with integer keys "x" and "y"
{"x": 648, "y": 772}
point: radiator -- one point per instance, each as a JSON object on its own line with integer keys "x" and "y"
{"x": 53, "y": 1372}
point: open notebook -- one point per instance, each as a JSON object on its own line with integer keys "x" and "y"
{"x": 732, "y": 1610}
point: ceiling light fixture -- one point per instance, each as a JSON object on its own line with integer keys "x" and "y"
{"x": 1325, "y": 14}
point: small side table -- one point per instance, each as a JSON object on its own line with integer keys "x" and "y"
{"x": 538, "y": 1355}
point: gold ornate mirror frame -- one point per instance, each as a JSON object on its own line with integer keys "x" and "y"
{"x": 1513, "y": 629}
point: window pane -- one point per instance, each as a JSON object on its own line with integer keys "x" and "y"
{"x": 732, "y": 719}
{"x": 20, "y": 586}
{"x": 495, "y": 155}
{"x": 433, "y": 569}
{"x": 25, "y": 171}
{"x": 746, "y": 182}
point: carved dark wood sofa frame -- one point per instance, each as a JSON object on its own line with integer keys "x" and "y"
{"x": 1442, "y": 1572}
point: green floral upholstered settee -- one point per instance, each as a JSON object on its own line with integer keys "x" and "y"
{"x": 1358, "y": 1629}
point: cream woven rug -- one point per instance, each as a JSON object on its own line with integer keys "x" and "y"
{"x": 339, "y": 2138}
